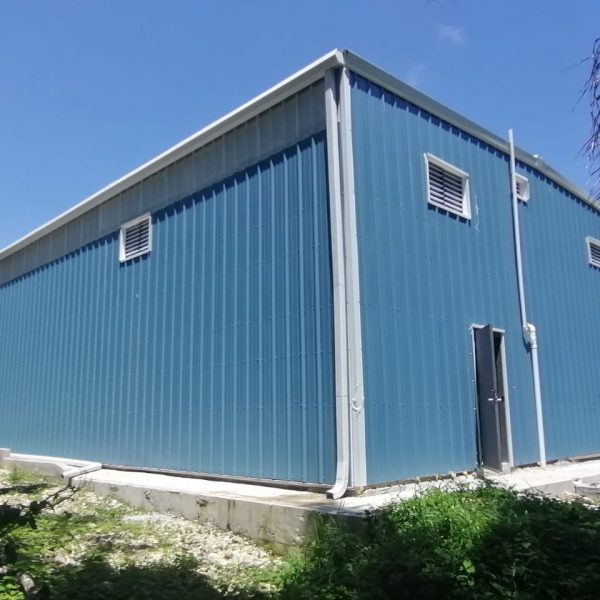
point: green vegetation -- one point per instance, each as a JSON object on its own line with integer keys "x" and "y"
{"x": 73, "y": 544}
{"x": 484, "y": 543}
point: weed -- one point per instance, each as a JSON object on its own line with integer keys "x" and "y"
{"x": 17, "y": 476}
{"x": 456, "y": 543}
{"x": 483, "y": 543}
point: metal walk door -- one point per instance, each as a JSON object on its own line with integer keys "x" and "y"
{"x": 490, "y": 432}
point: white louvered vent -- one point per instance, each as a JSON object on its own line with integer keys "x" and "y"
{"x": 593, "y": 251}
{"x": 135, "y": 238}
{"x": 522, "y": 188}
{"x": 447, "y": 186}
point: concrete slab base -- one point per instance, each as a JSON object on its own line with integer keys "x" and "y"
{"x": 279, "y": 516}
{"x": 555, "y": 480}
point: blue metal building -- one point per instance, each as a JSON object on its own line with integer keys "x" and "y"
{"x": 334, "y": 284}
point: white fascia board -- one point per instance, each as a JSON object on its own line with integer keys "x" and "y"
{"x": 369, "y": 71}
{"x": 293, "y": 84}
{"x": 274, "y": 95}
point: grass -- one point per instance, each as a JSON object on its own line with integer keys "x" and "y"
{"x": 18, "y": 476}
{"x": 471, "y": 544}
{"x": 484, "y": 543}
{"x": 91, "y": 547}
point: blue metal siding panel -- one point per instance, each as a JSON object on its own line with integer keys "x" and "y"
{"x": 425, "y": 277}
{"x": 563, "y": 294}
{"x": 270, "y": 132}
{"x": 213, "y": 353}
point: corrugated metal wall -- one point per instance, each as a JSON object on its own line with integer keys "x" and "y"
{"x": 426, "y": 276}
{"x": 296, "y": 118}
{"x": 563, "y": 294}
{"x": 213, "y": 353}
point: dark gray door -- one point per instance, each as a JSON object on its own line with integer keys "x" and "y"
{"x": 489, "y": 409}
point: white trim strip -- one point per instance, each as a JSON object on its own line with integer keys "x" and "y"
{"x": 369, "y": 71}
{"x": 274, "y": 95}
{"x": 336, "y": 228}
{"x": 358, "y": 457}
{"x": 260, "y": 103}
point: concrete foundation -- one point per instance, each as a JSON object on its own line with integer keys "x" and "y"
{"x": 277, "y": 516}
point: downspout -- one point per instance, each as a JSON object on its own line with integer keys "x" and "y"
{"x": 71, "y": 473}
{"x": 358, "y": 461}
{"x": 342, "y": 409}
{"x": 529, "y": 331}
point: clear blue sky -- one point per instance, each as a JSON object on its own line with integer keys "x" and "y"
{"x": 91, "y": 89}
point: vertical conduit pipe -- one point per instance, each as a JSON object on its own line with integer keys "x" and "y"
{"x": 342, "y": 409}
{"x": 529, "y": 330}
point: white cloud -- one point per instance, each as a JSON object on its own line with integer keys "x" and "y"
{"x": 414, "y": 75}
{"x": 452, "y": 34}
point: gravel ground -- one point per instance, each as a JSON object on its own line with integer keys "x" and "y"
{"x": 131, "y": 536}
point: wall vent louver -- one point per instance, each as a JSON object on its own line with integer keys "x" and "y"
{"x": 447, "y": 186}
{"x": 135, "y": 238}
{"x": 522, "y": 188}
{"x": 593, "y": 251}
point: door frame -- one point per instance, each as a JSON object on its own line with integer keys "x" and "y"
{"x": 509, "y": 440}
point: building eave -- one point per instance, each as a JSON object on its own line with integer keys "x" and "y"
{"x": 369, "y": 71}
{"x": 296, "y": 82}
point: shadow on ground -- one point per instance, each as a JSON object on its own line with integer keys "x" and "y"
{"x": 469, "y": 544}
{"x": 95, "y": 579}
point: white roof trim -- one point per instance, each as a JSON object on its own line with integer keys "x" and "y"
{"x": 274, "y": 95}
{"x": 369, "y": 71}
{"x": 260, "y": 103}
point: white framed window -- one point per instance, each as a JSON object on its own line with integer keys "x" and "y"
{"x": 447, "y": 186}
{"x": 135, "y": 238}
{"x": 593, "y": 247}
{"x": 522, "y": 188}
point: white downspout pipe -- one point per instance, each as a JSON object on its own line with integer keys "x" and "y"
{"x": 342, "y": 408}
{"x": 529, "y": 331}
{"x": 358, "y": 461}
{"x": 90, "y": 468}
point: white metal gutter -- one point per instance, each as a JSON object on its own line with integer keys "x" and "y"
{"x": 351, "y": 468}
{"x": 296, "y": 82}
{"x": 380, "y": 77}
{"x": 358, "y": 467}
{"x": 529, "y": 331}
{"x": 274, "y": 95}
{"x": 336, "y": 228}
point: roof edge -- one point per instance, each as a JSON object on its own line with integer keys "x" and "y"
{"x": 362, "y": 67}
{"x": 292, "y": 84}
{"x": 289, "y": 86}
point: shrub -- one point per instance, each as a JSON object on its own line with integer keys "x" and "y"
{"x": 483, "y": 543}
